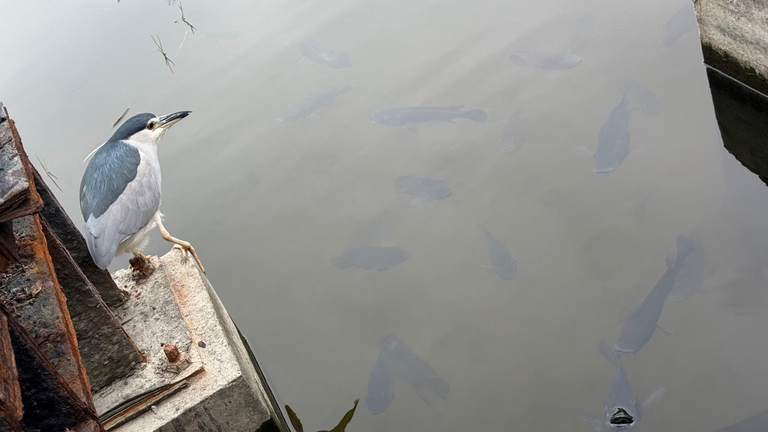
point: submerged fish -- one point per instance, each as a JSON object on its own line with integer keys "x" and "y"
{"x": 315, "y": 102}
{"x": 409, "y": 367}
{"x": 408, "y": 116}
{"x": 502, "y": 261}
{"x": 545, "y": 60}
{"x": 381, "y": 385}
{"x": 690, "y": 280}
{"x": 370, "y": 257}
{"x": 512, "y": 136}
{"x": 641, "y": 96}
{"x": 622, "y": 410}
{"x": 613, "y": 139}
{"x": 643, "y": 321}
{"x": 756, "y": 423}
{"x": 324, "y": 55}
{"x": 426, "y": 187}
{"x": 682, "y": 22}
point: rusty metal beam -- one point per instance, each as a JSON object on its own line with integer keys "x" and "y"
{"x": 18, "y": 196}
{"x": 31, "y": 290}
{"x": 107, "y": 351}
{"x": 10, "y": 394}
{"x": 70, "y": 237}
{"x": 49, "y": 403}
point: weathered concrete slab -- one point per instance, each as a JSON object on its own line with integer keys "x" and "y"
{"x": 17, "y": 193}
{"x": 107, "y": 351}
{"x": 227, "y": 394}
{"x": 49, "y": 403}
{"x": 10, "y": 394}
{"x": 71, "y": 238}
{"x": 30, "y": 289}
{"x": 741, "y": 116}
{"x": 153, "y": 319}
{"x": 734, "y": 38}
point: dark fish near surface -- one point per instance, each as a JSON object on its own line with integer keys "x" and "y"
{"x": 622, "y": 410}
{"x": 682, "y": 22}
{"x": 503, "y": 264}
{"x": 409, "y": 367}
{"x": 381, "y": 385}
{"x": 324, "y": 55}
{"x": 545, "y": 60}
{"x": 642, "y": 322}
{"x": 512, "y": 136}
{"x": 641, "y": 96}
{"x": 426, "y": 187}
{"x": 370, "y": 257}
{"x": 756, "y": 423}
{"x": 408, "y": 116}
{"x": 613, "y": 139}
{"x": 315, "y": 102}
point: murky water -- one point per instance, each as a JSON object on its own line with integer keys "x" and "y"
{"x": 272, "y": 205}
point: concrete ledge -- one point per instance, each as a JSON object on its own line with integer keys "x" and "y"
{"x": 734, "y": 38}
{"x": 224, "y": 393}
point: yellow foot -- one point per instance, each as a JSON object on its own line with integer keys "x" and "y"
{"x": 184, "y": 247}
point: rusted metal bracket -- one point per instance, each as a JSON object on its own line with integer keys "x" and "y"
{"x": 30, "y": 289}
{"x": 107, "y": 351}
{"x": 50, "y": 404}
{"x": 18, "y": 196}
{"x": 10, "y": 394}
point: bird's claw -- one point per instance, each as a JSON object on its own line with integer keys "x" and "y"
{"x": 188, "y": 247}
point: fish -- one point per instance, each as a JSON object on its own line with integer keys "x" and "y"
{"x": 621, "y": 409}
{"x": 512, "y": 135}
{"x": 690, "y": 280}
{"x": 613, "y": 139}
{"x": 324, "y": 55}
{"x": 313, "y": 103}
{"x": 381, "y": 385}
{"x": 502, "y": 261}
{"x": 643, "y": 321}
{"x": 370, "y": 257}
{"x": 545, "y": 60}
{"x": 756, "y": 423}
{"x": 641, "y": 96}
{"x": 410, "y": 368}
{"x": 426, "y": 187}
{"x": 681, "y": 23}
{"x": 409, "y": 116}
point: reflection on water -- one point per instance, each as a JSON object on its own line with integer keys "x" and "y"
{"x": 325, "y": 233}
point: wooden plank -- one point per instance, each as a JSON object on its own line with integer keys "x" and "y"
{"x": 70, "y": 237}
{"x": 10, "y": 394}
{"x": 18, "y": 196}
{"x": 49, "y": 403}
{"x": 31, "y": 290}
{"x": 107, "y": 351}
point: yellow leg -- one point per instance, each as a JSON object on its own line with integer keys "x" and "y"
{"x": 182, "y": 245}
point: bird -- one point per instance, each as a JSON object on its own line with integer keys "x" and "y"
{"x": 120, "y": 191}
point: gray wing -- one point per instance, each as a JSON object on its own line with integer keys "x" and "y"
{"x": 119, "y": 194}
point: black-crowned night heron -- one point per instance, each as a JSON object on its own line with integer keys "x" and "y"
{"x": 120, "y": 191}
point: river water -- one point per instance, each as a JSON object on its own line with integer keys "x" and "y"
{"x": 272, "y": 194}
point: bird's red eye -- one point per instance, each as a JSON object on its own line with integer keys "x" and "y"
{"x": 151, "y": 125}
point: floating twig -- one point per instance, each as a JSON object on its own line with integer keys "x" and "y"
{"x": 184, "y": 19}
{"x": 48, "y": 172}
{"x": 121, "y": 117}
{"x": 159, "y": 45}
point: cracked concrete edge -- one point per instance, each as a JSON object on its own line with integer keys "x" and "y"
{"x": 229, "y": 376}
{"x": 734, "y": 39}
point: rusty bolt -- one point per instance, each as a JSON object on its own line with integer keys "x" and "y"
{"x": 172, "y": 353}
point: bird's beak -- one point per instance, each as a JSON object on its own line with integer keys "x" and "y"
{"x": 169, "y": 120}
